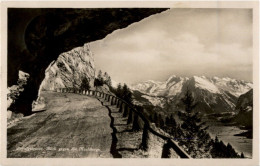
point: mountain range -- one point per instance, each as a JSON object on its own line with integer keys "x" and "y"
{"x": 212, "y": 94}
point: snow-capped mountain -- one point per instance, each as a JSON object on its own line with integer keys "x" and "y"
{"x": 69, "y": 69}
{"x": 211, "y": 94}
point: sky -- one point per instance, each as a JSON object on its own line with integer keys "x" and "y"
{"x": 182, "y": 42}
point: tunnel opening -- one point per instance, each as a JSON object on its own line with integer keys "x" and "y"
{"x": 37, "y": 36}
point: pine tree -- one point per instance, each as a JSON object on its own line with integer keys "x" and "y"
{"x": 242, "y": 155}
{"x": 109, "y": 82}
{"x": 126, "y": 94}
{"x": 85, "y": 84}
{"x": 172, "y": 122}
{"x": 107, "y": 79}
{"x": 192, "y": 126}
{"x": 101, "y": 79}
{"x": 105, "y": 76}
{"x": 119, "y": 90}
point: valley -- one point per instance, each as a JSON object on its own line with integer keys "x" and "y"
{"x": 225, "y": 104}
{"x": 227, "y": 134}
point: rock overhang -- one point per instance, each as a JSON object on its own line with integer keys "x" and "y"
{"x": 38, "y": 36}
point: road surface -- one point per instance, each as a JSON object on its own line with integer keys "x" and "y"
{"x": 73, "y": 126}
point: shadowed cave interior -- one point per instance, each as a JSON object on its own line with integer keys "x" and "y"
{"x": 37, "y": 36}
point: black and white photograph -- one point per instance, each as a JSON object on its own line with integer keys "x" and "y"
{"x": 120, "y": 82}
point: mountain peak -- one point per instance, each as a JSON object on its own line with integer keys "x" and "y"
{"x": 173, "y": 78}
{"x": 174, "y": 85}
{"x": 204, "y": 83}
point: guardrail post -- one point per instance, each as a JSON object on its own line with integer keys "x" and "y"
{"x": 121, "y": 107}
{"x": 112, "y": 100}
{"x": 118, "y": 103}
{"x": 145, "y": 138}
{"x": 166, "y": 150}
{"x": 130, "y": 117}
{"x": 125, "y": 113}
{"x": 136, "y": 126}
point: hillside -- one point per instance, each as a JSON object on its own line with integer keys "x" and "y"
{"x": 212, "y": 94}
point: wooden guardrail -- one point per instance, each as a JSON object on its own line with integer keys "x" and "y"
{"x": 137, "y": 119}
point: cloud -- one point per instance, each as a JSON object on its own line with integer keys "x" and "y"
{"x": 152, "y": 50}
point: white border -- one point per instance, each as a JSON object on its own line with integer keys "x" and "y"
{"x": 115, "y": 4}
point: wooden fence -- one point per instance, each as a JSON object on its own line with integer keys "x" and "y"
{"x": 137, "y": 119}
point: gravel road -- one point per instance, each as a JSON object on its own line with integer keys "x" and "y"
{"x": 73, "y": 126}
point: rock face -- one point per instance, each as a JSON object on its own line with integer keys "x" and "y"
{"x": 15, "y": 90}
{"x": 245, "y": 101}
{"x": 37, "y": 36}
{"x": 244, "y": 116}
{"x": 244, "y": 107}
{"x": 69, "y": 69}
{"x": 212, "y": 94}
